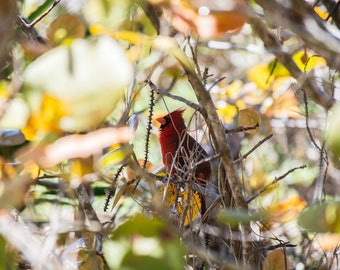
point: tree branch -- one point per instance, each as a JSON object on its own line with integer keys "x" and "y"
{"x": 280, "y": 13}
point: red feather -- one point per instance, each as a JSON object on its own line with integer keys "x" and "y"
{"x": 180, "y": 151}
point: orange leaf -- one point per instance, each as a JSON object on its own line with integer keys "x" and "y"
{"x": 204, "y": 21}
{"x": 286, "y": 210}
{"x": 276, "y": 260}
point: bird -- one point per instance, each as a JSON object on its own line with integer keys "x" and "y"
{"x": 182, "y": 155}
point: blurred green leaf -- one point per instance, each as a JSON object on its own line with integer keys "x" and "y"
{"x": 40, "y": 10}
{"x": 234, "y": 217}
{"x": 332, "y": 132}
{"x": 7, "y": 261}
{"x": 321, "y": 218}
{"x": 139, "y": 225}
{"x": 144, "y": 243}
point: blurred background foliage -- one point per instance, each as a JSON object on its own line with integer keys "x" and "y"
{"x": 81, "y": 174}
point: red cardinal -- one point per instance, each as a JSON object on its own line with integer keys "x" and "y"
{"x": 181, "y": 152}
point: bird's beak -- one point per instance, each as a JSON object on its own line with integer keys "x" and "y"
{"x": 161, "y": 120}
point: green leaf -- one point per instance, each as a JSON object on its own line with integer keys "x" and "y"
{"x": 321, "y": 218}
{"x": 7, "y": 261}
{"x": 139, "y": 225}
{"x": 332, "y": 132}
{"x": 40, "y": 10}
{"x": 234, "y": 217}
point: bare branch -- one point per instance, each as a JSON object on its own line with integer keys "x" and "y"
{"x": 277, "y": 179}
{"x": 166, "y": 93}
{"x": 253, "y": 149}
{"x": 241, "y": 129}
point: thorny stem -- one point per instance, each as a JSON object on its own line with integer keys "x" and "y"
{"x": 110, "y": 193}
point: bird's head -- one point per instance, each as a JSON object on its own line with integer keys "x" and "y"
{"x": 172, "y": 120}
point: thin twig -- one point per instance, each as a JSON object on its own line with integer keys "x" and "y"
{"x": 43, "y": 15}
{"x": 241, "y": 129}
{"x": 166, "y": 93}
{"x": 215, "y": 83}
{"x": 305, "y": 100}
{"x": 253, "y": 149}
{"x": 277, "y": 179}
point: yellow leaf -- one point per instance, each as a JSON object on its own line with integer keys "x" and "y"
{"x": 276, "y": 260}
{"x": 32, "y": 168}
{"x": 322, "y": 14}
{"x": 46, "y": 119}
{"x": 249, "y": 117}
{"x": 113, "y": 158}
{"x": 178, "y": 199}
{"x": 306, "y": 62}
{"x": 132, "y": 37}
{"x": 227, "y": 112}
{"x": 80, "y": 167}
{"x": 260, "y": 74}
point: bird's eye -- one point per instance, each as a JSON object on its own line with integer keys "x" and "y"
{"x": 167, "y": 121}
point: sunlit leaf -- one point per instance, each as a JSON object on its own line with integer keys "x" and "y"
{"x": 323, "y": 218}
{"x": 91, "y": 78}
{"x": 80, "y": 167}
{"x": 249, "y": 117}
{"x": 276, "y": 69}
{"x": 287, "y": 209}
{"x": 306, "y": 62}
{"x": 115, "y": 157}
{"x": 284, "y": 106}
{"x": 204, "y": 21}
{"x": 322, "y": 13}
{"x": 32, "y": 168}
{"x": 46, "y": 119}
{"x": 329, "y": 242}
{"x": 276, "y": 260}
{"x": 227, "y": 112}
{"x": 65, "y": 27}
{"x": 260, "y": 74}
{"x": 178, "y": 200}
